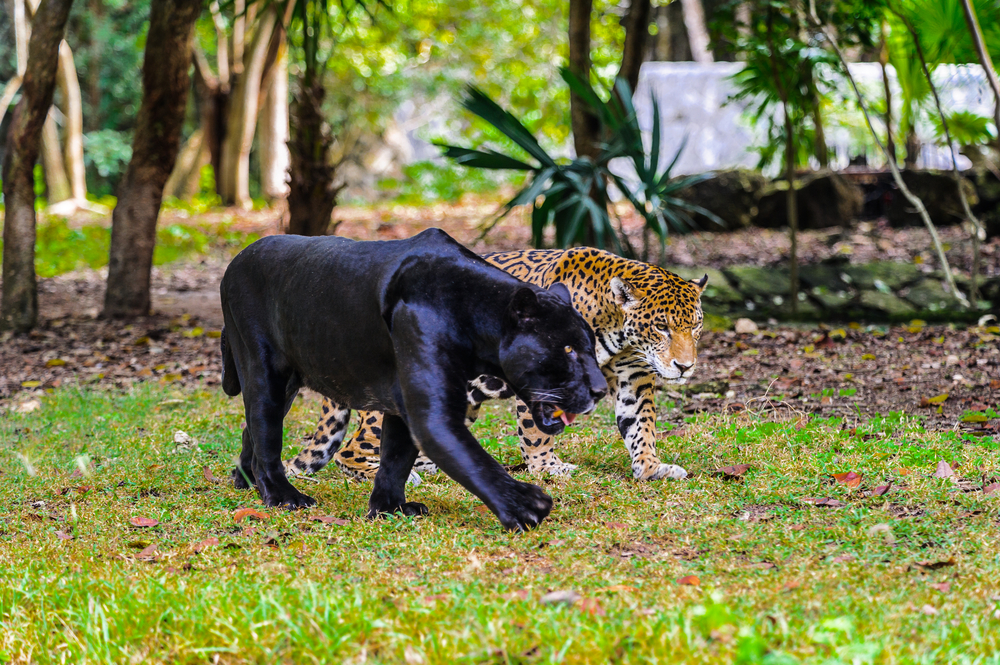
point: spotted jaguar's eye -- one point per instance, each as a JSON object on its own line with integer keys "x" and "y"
{"x": 663, "y": 328}
{"x": 568, "y": 349}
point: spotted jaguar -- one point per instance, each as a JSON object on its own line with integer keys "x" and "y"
{"x": 647, "y": 322}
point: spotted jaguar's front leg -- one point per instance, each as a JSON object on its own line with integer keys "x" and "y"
{"x": 635, "y": 414}
{"x": 537, "y": 447}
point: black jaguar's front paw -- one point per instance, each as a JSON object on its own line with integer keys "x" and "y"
{"x": 283, "y": 495}
{"x": 409, "y": 508}
{"x": 526, "y": 505}
{"x": 242, "y": 478}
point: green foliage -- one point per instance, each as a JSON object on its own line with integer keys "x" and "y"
{"x": 565, "y": 193}
{"x": 106, "y": 152}
{"x": 427, "y": 182}
{"x": 60, "y": 248}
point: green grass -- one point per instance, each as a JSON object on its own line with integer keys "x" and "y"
{"x": 780, "y": 581}
{"x": 61, "y": 248}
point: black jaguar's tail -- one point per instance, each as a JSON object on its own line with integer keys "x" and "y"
{"x": 230, "y": 379}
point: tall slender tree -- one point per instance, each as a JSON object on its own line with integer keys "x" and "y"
{"x": 165, "y": 83}
{"x": 19, "y": 305}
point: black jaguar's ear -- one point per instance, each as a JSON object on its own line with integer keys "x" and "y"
{"x": 624, "y": 293}
{"x": 559, "y": 289}
{"x": 700, "y": 283}
{"x": 524, "y": 305}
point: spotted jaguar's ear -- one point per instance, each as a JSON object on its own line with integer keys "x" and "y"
{"x": 559, "y": 289}
{"x": 700, "y": 283}
{"x": 524, "y": 306}
{"x": 624, "y": 293}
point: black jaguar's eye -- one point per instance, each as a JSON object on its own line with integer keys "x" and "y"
{"x": 568, "y": 349}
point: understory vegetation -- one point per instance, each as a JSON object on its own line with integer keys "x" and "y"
{"x": 121, "y": 539}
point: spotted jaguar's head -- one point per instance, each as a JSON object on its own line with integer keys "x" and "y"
{"x": 661, "y": 319}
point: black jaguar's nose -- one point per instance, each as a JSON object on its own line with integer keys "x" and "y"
{"x": 598, "y": 392}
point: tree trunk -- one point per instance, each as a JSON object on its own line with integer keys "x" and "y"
{"x": 819, "y": 143}
{"x": 242, "y": 121}
{"x": 19, "y": 306}
{"x": 56, "y": 182}
{"x": 69, "y": 87}
{"x": 694, "y": 20}
{"x": 273, "y": 128}
{"x": 313, "y": 191}
{"x": 96, "y": 48}
{"x": 165, "y": 84}
{"x": 183, "y": 180}
{"x": 890, "y": 143}
{"x": 792, "y": 208}
{"x": 636, "y": 25}
{"x": 586, "y": 126}
{"x": 678, "y": 46}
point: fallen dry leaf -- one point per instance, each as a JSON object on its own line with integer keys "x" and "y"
{"x": 791, "y": 584}
{"x": 823, "y": 502}
{"x": 763, "y": 565}
{"x": 147, "y": 554}
{"x": 933, "y": 401}
{"x": 617, "y": 588}
{"x": 330, "y": 519}
{"x": 616, "y": 525}
{"x": 143, "y": 522}
{"x": 991, "y": 488}
{"x": 945, "y": 470}
{"x": 62, "y": 535}
{"x": 933, "y": 565}
{"x": 881, "y": 489}
{"x": 208, "y": 475}
{"x": 850, "y": 479}
{"x": 929, "y": 610}
{"x": 733, "y": 471}
{"x": 518, "y": 594}
{"x": 689, "y": 580}
{"x": 205, "y": 544}
{"x": 843, "y": 558}
{"x": 591, "y": 606}
{"x": 943, "y": 587}
{"x": 243, "y": 513}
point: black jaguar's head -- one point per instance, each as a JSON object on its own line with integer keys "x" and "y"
{"x": 547, "y": 354}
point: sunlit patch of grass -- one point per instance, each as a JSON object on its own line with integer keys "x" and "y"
{"x": 61, "y": 248}
{"x": 780, "y": 580}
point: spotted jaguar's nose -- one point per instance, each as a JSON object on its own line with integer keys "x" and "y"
{"x": 681, "y": 367}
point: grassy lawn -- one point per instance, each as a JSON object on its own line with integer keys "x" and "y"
{"x": 909, "y": 576}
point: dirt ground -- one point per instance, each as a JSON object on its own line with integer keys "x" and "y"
{"x": 853, "y": 372}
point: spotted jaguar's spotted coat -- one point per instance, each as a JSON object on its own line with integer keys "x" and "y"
{"x": 647, "y": 322}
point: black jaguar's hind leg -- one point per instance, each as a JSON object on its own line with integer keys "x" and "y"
{"x": 397, "y": 456}
{"x": 243, "y": 473}
{"x": 267, "y": 400}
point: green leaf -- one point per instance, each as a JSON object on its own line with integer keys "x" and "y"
{"x": 479, "y": 102}
{"x": 483, "y": 159}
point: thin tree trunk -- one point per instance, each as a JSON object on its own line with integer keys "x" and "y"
{"x": 890, "y": 143}
{"x": 69, "y": 87}
{"x": 183, "y": 180}
{"x": 7, "y": 96}
{"x": 96, "y": 48}
{"x": 978, "y": 233}
{"x": 586, "y": 125}
{"x": 984, "y": 57}
{"x": 636, "y": 25}
{"x": 165, "y": 83}
{"x": 273, "y": 128}
{"x": 694, "y": 20}
{"x": 242, "y": 121}
{"x": 19, "y": 305}
{"x": 897, "y": 177}
{"x": 819, "y": 144}
{"x": 56, "y": 182}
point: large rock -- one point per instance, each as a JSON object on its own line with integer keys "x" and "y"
{"x": 832, "y": 301}
{"x": 939, "y": 194}
{"x": 825, "y": 199}
{"x": 931, "y": 295}
{"x": 732, "y": 195}
{"x": 885, "y": 304}
{"x": 829, "y": 275}
{"x": 988, "y": 209}
{"x": 760, "y": 283}
{"x": 883, "y": 275}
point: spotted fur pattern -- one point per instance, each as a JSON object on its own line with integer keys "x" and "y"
{"x": 647, "y": 322}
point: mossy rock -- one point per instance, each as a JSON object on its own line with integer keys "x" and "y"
{"x": 759, "y": 283}
{"x": 732, "y": 195}
{"x": 939, "y": 194}
{"x": 887, "y": 304}
{"x": 883, "y": 275}
{"x": 717, "y": 291}
{"x": 825, "y": 199}
{"x": 828, "y": 275}
{"x": 931, "y": 295}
